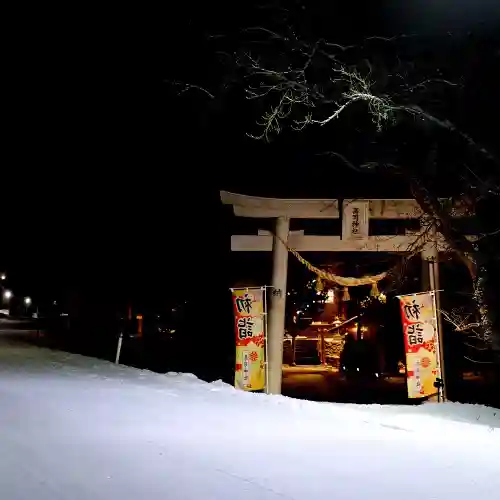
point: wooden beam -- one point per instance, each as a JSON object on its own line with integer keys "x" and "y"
{"x": 261, "y": 207}
{"x": 308, "y": 243}
{"x": 257, "y": 206}
{"x": 394, "y": 209}
{"x": 265, "y": 232}
{"x": 264, "y": 243}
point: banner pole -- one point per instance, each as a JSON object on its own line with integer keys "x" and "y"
{"x": 434, "y": 282}
{"x": 440, "y": 344}
{"x": 266, "y": 364}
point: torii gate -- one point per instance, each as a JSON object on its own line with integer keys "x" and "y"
{"x": 355, "y": 237}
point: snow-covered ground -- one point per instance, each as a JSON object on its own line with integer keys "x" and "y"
{"x": 76, "y": 428}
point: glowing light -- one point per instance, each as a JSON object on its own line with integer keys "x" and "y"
{"x": 7, "y": 294}
{"x": 27, "y": 300}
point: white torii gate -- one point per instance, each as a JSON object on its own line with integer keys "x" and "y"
{"x": 355, "y": 238}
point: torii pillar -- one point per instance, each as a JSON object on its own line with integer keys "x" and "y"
{"x": 276, "y": 322}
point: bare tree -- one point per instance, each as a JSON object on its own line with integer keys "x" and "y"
{"x": 405, "y": 106}
{"x": 302, "y": 84}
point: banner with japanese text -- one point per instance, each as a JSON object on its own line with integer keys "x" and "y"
{"x": 250, "y": 373}
{"x": 418, "y": 314}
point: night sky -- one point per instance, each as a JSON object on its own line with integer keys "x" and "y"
{"x": 110, "y": 181}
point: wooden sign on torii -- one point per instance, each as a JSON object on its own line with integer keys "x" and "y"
{"x": 355, "y": 237}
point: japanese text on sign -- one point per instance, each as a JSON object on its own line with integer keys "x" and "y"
{"x": 245, "y": 327}
{"x": 415, "y": 334}
{"x": 244, "y": 304}
{"x": 355, "y": 221}
{"x": 412, "y": 311}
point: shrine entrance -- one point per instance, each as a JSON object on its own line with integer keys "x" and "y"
{"x": 355, "y": 216}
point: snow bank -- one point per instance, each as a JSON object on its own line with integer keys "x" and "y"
{"x": 77, "y": 428}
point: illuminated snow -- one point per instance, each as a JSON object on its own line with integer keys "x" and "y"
{"x": 77, "y": 428}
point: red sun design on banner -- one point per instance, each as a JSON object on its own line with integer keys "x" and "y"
{"x": 430, "y": 346}
{"x": 258, "y": 341}
{"x": 254, "y": 356}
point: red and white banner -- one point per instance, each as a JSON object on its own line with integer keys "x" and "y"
{"x": 418, "y": 314}
{"x": 250, "y": 373}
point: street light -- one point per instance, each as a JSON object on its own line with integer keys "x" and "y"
{"x": 7, "y": 295}
{"x": 3, "y": 276}
{"x": 27, "y": 301}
